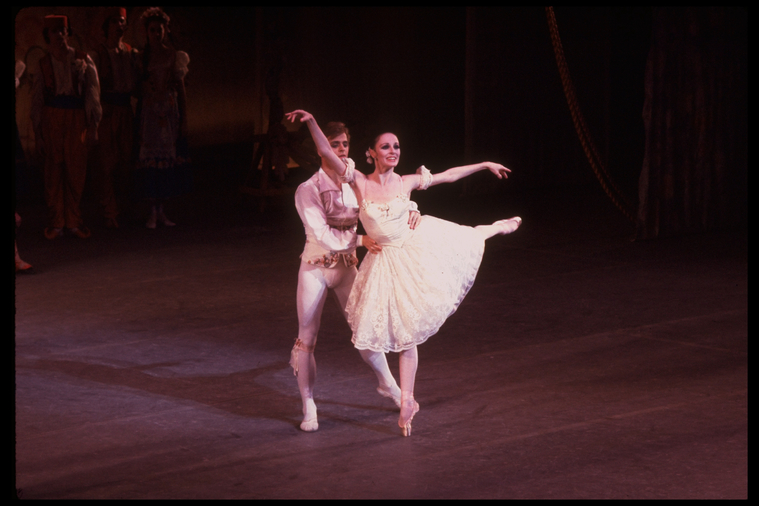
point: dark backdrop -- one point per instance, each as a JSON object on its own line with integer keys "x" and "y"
{"x": 458, "y": 85}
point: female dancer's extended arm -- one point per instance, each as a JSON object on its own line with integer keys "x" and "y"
{"x": 424, "y": 179}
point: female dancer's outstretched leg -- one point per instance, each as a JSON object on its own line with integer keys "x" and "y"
{"x": 500, "y": 227}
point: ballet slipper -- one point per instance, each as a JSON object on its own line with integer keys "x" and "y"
{"x": 510, "y": 225}
{"x": 310, "y": 425}
{"x": 387, "y": 392}
{"x": 409, "y": 408}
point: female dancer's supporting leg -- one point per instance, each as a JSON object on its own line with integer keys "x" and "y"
{"x": 408, "y": 361}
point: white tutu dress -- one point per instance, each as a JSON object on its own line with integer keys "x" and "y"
{"x": 404, "y": 294}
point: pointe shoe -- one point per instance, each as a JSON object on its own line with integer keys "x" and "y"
{"x": 510, "y": 225}
{"x": 310, "y": 425}
{"x": 151, "y": 223}
{"x": 408, "y": 404}
{"x": 386, "y": 392}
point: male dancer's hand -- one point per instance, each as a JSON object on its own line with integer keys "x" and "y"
{"x": 371, "y": 245}
{"x": 414, "y": 218}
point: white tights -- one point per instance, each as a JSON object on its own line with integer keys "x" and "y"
{"x": 313, "y": 284}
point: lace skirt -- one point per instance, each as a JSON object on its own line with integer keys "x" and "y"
{"x": 404, "y": 294}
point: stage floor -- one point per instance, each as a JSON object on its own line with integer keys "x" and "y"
{"x": 153, "y": 364}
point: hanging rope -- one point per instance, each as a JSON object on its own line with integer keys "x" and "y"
{"x": 616, "y": 196}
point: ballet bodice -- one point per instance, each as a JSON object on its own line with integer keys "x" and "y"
{"x": 387, "y": 222}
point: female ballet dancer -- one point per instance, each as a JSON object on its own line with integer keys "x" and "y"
{"x": 329, "y": 211}
{"x": 403, "y": 295}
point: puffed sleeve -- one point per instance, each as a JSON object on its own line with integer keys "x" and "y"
{"x": 426, "y": 176}
{"x": 180, "y": 64}
{"x": 312, "y": 214}
{"x": 349, "y": 175}
{"x": 92, "y": 106}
